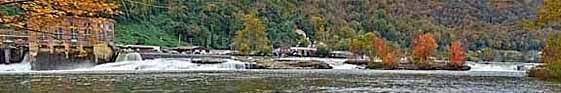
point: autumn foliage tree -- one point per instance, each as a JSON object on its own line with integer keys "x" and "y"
{"x": 550, "y": 13}
{"x": 253, "y": 37}
{"x": 360, "y": 45}
{"x": 319, "y": 26}
{"x": 457, "y": 54}
{"x": 551, "y": 56}
{"x": 388, "y": 53}
{"x": 424, "y": 46}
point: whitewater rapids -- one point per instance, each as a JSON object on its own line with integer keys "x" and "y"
{"x": 185, "y": 64}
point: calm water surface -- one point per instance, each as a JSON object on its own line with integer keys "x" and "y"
{"x": 233, "y": 81}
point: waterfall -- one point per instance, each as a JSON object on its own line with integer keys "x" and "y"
{"x": 129, "y": 57}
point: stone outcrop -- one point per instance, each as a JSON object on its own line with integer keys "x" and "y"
{"x": 272, "y": 64}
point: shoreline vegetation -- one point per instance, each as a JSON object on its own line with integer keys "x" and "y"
{"x": 400, "y": 33}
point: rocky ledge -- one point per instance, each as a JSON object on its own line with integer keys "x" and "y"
{"x": 292, "y": 64}
{"x": 408, "y": 66}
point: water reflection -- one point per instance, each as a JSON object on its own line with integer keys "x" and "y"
{"x": 265, "y": 81}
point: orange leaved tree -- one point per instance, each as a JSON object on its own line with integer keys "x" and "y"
{"x": 424, "y": 46}
{"x": 387, "y": 53}
{"x": 457, "y": 54}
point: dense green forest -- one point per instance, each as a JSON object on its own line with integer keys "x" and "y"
{"x": 480, "y": 24}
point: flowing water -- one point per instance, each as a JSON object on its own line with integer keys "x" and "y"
{"x": 180, "y": 75}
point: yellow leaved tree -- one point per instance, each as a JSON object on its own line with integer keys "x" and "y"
{"x": 253, "y": 37}
{"x": 550, "y": 14}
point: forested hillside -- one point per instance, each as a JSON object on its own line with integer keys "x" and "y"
{"x": 495, "y": 24}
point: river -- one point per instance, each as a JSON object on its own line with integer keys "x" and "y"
{"x": 171, "y": 76}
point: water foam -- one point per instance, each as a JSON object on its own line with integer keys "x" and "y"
{"x": 186, "y": 64}
{"x": 167, "y": 64}
{"x": 16, "y": 67}
{"x": 501, "y": 66}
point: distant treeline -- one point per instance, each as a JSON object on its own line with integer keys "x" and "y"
{"x": 479, "y": 24}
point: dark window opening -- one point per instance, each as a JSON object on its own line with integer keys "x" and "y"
{"x": 59, "y": 33}
{"x": 74, "y": 34}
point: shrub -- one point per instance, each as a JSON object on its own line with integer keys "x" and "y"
{"x": 388, "y": 53}
{"x": 488, "y": 54}
{"x": 323, "y": 50}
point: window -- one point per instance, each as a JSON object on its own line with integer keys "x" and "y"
{"x": 74, "y": 34}
{"x": 59, "y": 33}
{"x": 42, "y": 36}
{"x": 88, "y": 31}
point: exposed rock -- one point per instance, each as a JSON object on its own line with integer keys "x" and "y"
{"x": 538, "y": 72}
{"x": 256, "y": 66}
{"x": 286, "y": 64}
{"x": 311, "y": 64}
{"x": 375, "y": 65}
{"x": 356, "y": 62}
{"x": 410, "y": 66}
{"x": 208, "y": 61}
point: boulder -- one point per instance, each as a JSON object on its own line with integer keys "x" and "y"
{"x": 256, "y": 66}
